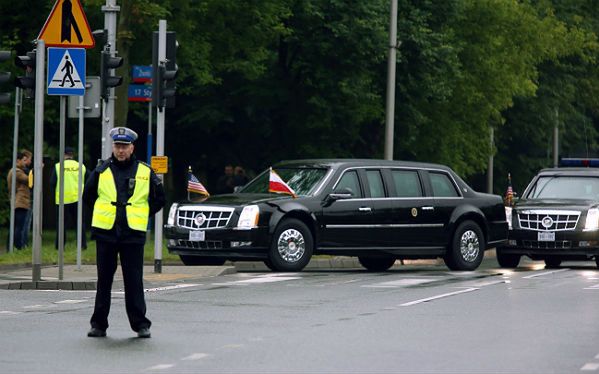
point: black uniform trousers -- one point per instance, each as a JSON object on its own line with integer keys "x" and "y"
{"x": 132, "y": 257}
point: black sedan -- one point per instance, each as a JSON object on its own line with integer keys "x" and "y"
{"x": 557, "y": 219}
{"x": 379, "y": 211}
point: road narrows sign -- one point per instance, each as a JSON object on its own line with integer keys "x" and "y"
{"x": 67, "y": 26}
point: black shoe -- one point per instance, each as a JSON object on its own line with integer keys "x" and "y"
{"x": 144, "y": 333}
{"x": 95, "y": 332}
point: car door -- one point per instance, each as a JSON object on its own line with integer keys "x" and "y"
{"x": 446, "y": 198}
{"x": 347, "y": 222}
{"x": 400, "y": 217}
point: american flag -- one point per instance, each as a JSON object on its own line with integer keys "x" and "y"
{"x": 194, "y": 185}
{"x": 509, "y": 194}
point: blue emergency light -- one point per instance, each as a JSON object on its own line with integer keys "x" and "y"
{"x": 579, "y": 162}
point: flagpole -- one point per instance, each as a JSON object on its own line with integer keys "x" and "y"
{"x": 188, "y": 175}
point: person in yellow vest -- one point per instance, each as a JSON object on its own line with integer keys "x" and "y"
{"x": 123, "y": 193}
{"x": 71, "y": 193}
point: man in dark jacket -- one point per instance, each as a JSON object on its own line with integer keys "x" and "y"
{"x": 123, "y": 193}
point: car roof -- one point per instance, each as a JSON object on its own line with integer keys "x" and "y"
{"x": 349, "y": 162}
{"x": 571, "y": 171}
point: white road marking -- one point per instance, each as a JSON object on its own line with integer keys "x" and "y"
{"x": 33, "y": 306}
{"x": 166, "y": 288}
{"x": 545, "y": 273}
{"x": 593, "y": 287}
{"x": 269, "y": 278}
{"x": 9, "y": 312}
{"x": 195, "y": 356}
{"x": 591, "y": 366}
{"x": 159, "y": 367}
{"x": 438, "y": 297}
{"x": 70, "y": 301}
{"x": 401, "y": 283}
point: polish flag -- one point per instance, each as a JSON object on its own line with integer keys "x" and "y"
{"x": 277, "y": 185}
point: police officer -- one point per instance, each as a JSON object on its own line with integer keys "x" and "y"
{"x": 124, "y": 193}
{"x": 71, "y": 192}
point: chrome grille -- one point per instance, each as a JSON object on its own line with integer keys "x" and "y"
{"x": 548, "y": 220}
{"x": 214, "y": 217}
{"x": 560, "y": 244}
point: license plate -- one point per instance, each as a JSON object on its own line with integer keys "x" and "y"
{"x": 546, "y": 236}
{"x": 197, "y": 236}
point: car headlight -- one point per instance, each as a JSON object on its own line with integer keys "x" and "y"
{"x": 172, "y": 213}
{"x": 248, "y": 219}
{"x": 508, "y": 216}
{"x": 592, "y": 222}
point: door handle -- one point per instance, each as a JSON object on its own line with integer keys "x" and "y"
{"x": 428, "y": 208}
{"x": 365, "y": 209}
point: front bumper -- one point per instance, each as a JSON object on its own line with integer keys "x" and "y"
{"x": 226, "y": 243}
{"x": 573, "y": 244}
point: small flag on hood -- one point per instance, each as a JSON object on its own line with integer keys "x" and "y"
{"x": 277, "y": 185}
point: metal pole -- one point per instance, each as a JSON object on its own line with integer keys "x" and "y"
{"x": 390, "y": 110}
{"x": 159, "y": 150}
{"x": 150, "y": 140}
{"x": 38, "y": 150}
{"x": 81, "y": 108}
{"x": 490, "y": 167}
{"x": 60, "y": 185}
{"x": 556, "y": 139}
{"x": 110, "y": 11}
{"x": 13, "y": 183}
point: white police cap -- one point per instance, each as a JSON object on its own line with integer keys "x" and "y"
{"x": 123, "y": 135}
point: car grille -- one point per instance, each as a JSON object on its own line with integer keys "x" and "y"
{"x": 212, "y": 244}
{"x": 548, "y": 220}
{"x": 213, "y": 217}
{"x": 560, "y": 244}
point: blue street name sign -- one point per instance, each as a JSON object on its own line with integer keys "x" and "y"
{"x": 140, "y": 92}
{"x": 141, "y": 73}
{"x": 66, "y": 71}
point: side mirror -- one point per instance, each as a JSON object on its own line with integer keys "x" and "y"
{"x": 341, "y": 194}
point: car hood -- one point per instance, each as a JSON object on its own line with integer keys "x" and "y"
{"x": 236, "y": 199}
{"x": 556, "y": 204}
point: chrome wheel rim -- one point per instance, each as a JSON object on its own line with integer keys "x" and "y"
{"x": 469, "y": 246}
{"x": 291, "y": 245}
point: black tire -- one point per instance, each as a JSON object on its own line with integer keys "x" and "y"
{"x": 508, "y": 260}
{"x": 467, "y": 247}
{"x": 292, "y": 246}
{"x": 201, "y": 261}
{"x": 376, "y": 263}
{"x": 552, "y": 263}
{"x": 269, "y": 265}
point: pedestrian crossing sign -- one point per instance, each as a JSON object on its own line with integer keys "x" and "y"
{"x": 66, "y": 71}
{"x": 67, "y": 26}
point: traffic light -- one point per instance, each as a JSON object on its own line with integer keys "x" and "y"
{"x": 4, "y": 77}
{"x": 108, "y": 81}
{"x": 27, "y": 82}
{"x": 163, "y": 75}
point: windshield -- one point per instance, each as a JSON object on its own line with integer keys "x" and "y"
{"x": 552, "y": 187}
{"x": 302, "y": 180}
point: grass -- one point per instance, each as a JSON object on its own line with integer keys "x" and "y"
{"x": 50, "y": 254}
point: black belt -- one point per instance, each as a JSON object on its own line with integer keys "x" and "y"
{"x": 118, "y": 203}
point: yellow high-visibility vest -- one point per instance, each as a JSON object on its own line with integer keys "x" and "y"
{"x": 138, "y": 209}
{"x": 71, "y": 181}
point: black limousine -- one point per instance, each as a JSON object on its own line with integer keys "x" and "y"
{"x": 557, "y": 218}
{"x": 377, "y": 210}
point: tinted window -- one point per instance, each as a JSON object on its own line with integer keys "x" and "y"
{"x": 586, "y": 188}
{"x": 350, "y": 180}
{"x": 407, "y": 183}
{"x": 442, "y": 185}
{"x": 375, "y": 183}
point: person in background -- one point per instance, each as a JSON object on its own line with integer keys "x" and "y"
{"x": 123, "y": 193}
{"x": 71, "y": 194}
{"x": 22, "y": 196}
{"x": 240, "y": 179}
{"x": 225, "y": 183}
